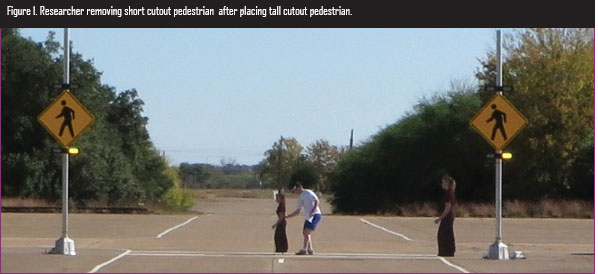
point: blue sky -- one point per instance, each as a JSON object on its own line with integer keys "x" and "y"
{"x": 213, "y": 94}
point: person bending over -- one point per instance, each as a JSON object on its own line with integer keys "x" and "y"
{"x": 309, "y": 202}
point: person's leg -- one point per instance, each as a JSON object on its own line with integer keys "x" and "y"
{"x": 308, "y": 228}
{"x": 311, "y": 227}
{"x": 307, "y": 239}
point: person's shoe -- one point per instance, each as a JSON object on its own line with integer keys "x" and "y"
{"x": 301, "y": 252}
{"x": 310, "y": 252}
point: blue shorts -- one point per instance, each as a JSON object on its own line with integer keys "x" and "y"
{"x": 314, "y": 222}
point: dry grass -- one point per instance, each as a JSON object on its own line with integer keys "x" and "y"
{"x": 418, "y": 210}
{"x": 475, "y": 210}
{"x": 232, "y": 193}
{"x": 27, "y": 202}
{"x": 548, "y": 208}
{"x": 545, "y": 208}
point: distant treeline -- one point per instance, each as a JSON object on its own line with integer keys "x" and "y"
{"x": 285, "y": 163}
{"x": 230, "y": 175}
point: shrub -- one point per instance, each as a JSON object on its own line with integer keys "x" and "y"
{"x": 178, "y": 199}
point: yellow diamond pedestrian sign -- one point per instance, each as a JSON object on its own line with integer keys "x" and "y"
{"x": 66, "y": 118}
{"x": 498, "y": 122}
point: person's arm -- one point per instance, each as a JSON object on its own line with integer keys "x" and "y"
{"x": 447, "y": 210}
{"x": 313, "y": 210}
{"x": 295, "y": 213}
{"x": 280, "y": 218}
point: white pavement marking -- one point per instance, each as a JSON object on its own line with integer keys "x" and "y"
{"x": 109, "y": 262}
{"x": 463, "y": 270}
{"x": 358, "y": 256}
{"x": 384, "y": 229}
{"x": 281, "y": 257}
{"x": 175, "y": 227}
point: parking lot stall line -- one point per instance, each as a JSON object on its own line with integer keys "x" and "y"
{"x": 386, "y": 230}
{"x": 463, "y": 270}
{"x": 175, "y": 227}
{"x": 445, "y": 261}
{"x": 98, "y": 267}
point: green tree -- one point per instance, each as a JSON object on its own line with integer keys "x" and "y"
{"x": 30, "y": 167}
{"x": 304, "y": 172}
{"x": 404, "y": 162}
{"x": 324, "y": 158}
{"x": 552, "y": 71}
{"x": 118, "y": 162}
{"x": 279, "y": 162}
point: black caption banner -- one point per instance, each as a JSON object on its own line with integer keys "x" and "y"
{"x": 299, "y": 13}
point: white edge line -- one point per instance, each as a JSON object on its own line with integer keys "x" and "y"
{"x": 389, "y": 231}
{"x": 282, "y": 256}
{"x": 175, "y": 227}
{"x": 109, "y": 262}
{"x": 275, "y": 254}
{"x": 463, "y": 270}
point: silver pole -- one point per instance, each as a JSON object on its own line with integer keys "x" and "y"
{"x": 65, "y": 195}
{"x": 65, "y": 158}
{"x": 498, "y": 198}
{"x": 499, "y": 60}
{"x": 67, "y": 50}
{"x": 498, "y": 250}
{"x": 499, "y": 160}
{"x": 64, "y": 245}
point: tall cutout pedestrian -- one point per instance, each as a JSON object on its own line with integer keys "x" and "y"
{"x": 446, "y": 235}
{"x": 500, "y": 118}
{"x": 309, "y": 202}
{"x": 69, "y": 115}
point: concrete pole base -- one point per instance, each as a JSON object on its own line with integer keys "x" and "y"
{"x": 498, "y": 251}
{"x": 65, "y": 246}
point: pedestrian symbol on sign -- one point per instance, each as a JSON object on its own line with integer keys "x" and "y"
{"x": 69, "y": 115}
{"x": 500, "y": 118}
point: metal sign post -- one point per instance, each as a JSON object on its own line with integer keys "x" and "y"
{"x": 498, "y": 250}
{"x": 64, "y": 245}
{"x": 498, "y": 122}
{"x": 72, "y": 120}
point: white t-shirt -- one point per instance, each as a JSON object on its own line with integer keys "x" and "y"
{"x": 306, "y": 200}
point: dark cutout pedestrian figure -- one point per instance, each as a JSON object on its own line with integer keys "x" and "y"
{"x": 500, "y": 118}
{"x": 446, "y": 236}
{"x": 69, "y": 115}
{"x": 280, "y": 234}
